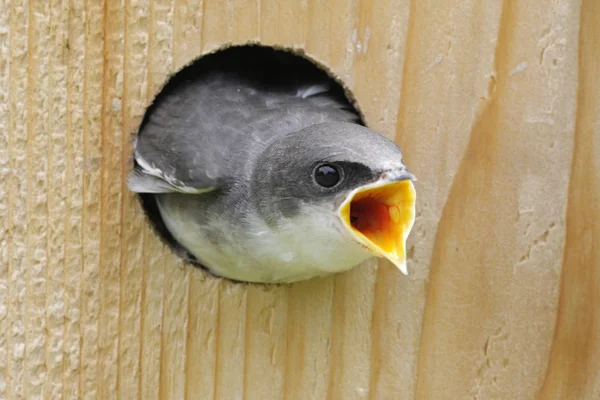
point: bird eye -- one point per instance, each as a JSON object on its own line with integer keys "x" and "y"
{"x": 327, "y": 175}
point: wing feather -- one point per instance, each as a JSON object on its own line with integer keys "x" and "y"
{"x": 204, "y": 127}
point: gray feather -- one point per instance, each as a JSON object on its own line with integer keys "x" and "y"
{"x": 210, "y": 128}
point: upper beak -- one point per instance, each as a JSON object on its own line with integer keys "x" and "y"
{"x": 380, "y": 215}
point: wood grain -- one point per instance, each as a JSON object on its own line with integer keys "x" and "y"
{"x": 495, "y": 105}
{"x": 74, "y": 255}
{"x": 5, "y": 176}
{"x": 17, "y": 199}
{"x": 500, "y": 237}
{"x": 573, "y": 367}
{"x": 133, "y": 101}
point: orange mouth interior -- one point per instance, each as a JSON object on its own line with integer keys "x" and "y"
{"x": 381, "y": 216}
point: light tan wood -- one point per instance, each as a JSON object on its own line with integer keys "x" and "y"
{"x": 497, "y": 108}
{"x": 573, "y": 366}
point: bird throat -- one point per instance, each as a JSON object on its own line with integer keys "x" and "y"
{"x": 380, "y": 216}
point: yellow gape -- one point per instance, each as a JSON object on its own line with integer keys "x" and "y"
{"x": 381, "y": 216}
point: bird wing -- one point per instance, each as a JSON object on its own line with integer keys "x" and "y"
{"x": 146, "y": 177}
{"x": 204, "y": 129}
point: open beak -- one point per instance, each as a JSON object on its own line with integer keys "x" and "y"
{"x": 381, "y": 215}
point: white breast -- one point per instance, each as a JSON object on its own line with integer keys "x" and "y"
{"x": 313, "y": 243}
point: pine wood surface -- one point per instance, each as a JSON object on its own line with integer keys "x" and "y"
{"x": 496, "y": 105}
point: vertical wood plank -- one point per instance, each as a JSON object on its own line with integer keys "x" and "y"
{"x": 17, "y": 192}
{"x": 343, "y": 17}
{"x": 335, "y": 20}
{"x": 318, "y": 27}
{"x": 201, "y": 348}
{"x": 268, "y": 22}
{"x": 160, "y": 53}
{"x": 245, "y": 20}
{"x": 131, "y": 262}
{"x": 37, "y": 197}
{"x": 265, "y": 342}
{"x": 574, "y": 366}
{"x": 74, "y": 255}
{"x": 308, "y": 339}
{"x": 187, "y": 32}
{"x": 292, "y": 21}
{"x": 351, "y": 339}
{"x": 111, "y": 198}
{"x": 378, "y": 42}
{"x": 497, "y": 251}
{"x": 216, "y": 27}
{"x": 284, "y": 22}
{"x": 92, "y": 151}
{"x": 154, "y": 255}
{"x": 57, "y": 198}
{"x": 231, "y": 331}
{"x": 174, "y": 330}
{"x": 153, "y": 273}
{"x": 5, "y": 176}
{"x": 174, "y": 313}
{"x": 151, "y": 319}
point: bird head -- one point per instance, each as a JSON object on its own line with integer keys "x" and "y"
{"x": 344, "y": 186}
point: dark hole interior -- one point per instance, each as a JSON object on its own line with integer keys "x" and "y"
{"x": 267, "y": 65}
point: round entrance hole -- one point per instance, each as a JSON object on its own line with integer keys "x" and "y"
{"x": 269, "y": 67}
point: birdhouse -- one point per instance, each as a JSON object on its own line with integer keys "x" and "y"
{"x": 495, "y": 106}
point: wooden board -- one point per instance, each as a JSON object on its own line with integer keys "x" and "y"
{"x": 497, "y": 108}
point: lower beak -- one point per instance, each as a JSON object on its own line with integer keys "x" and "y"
{"x": 380, "y": 216}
